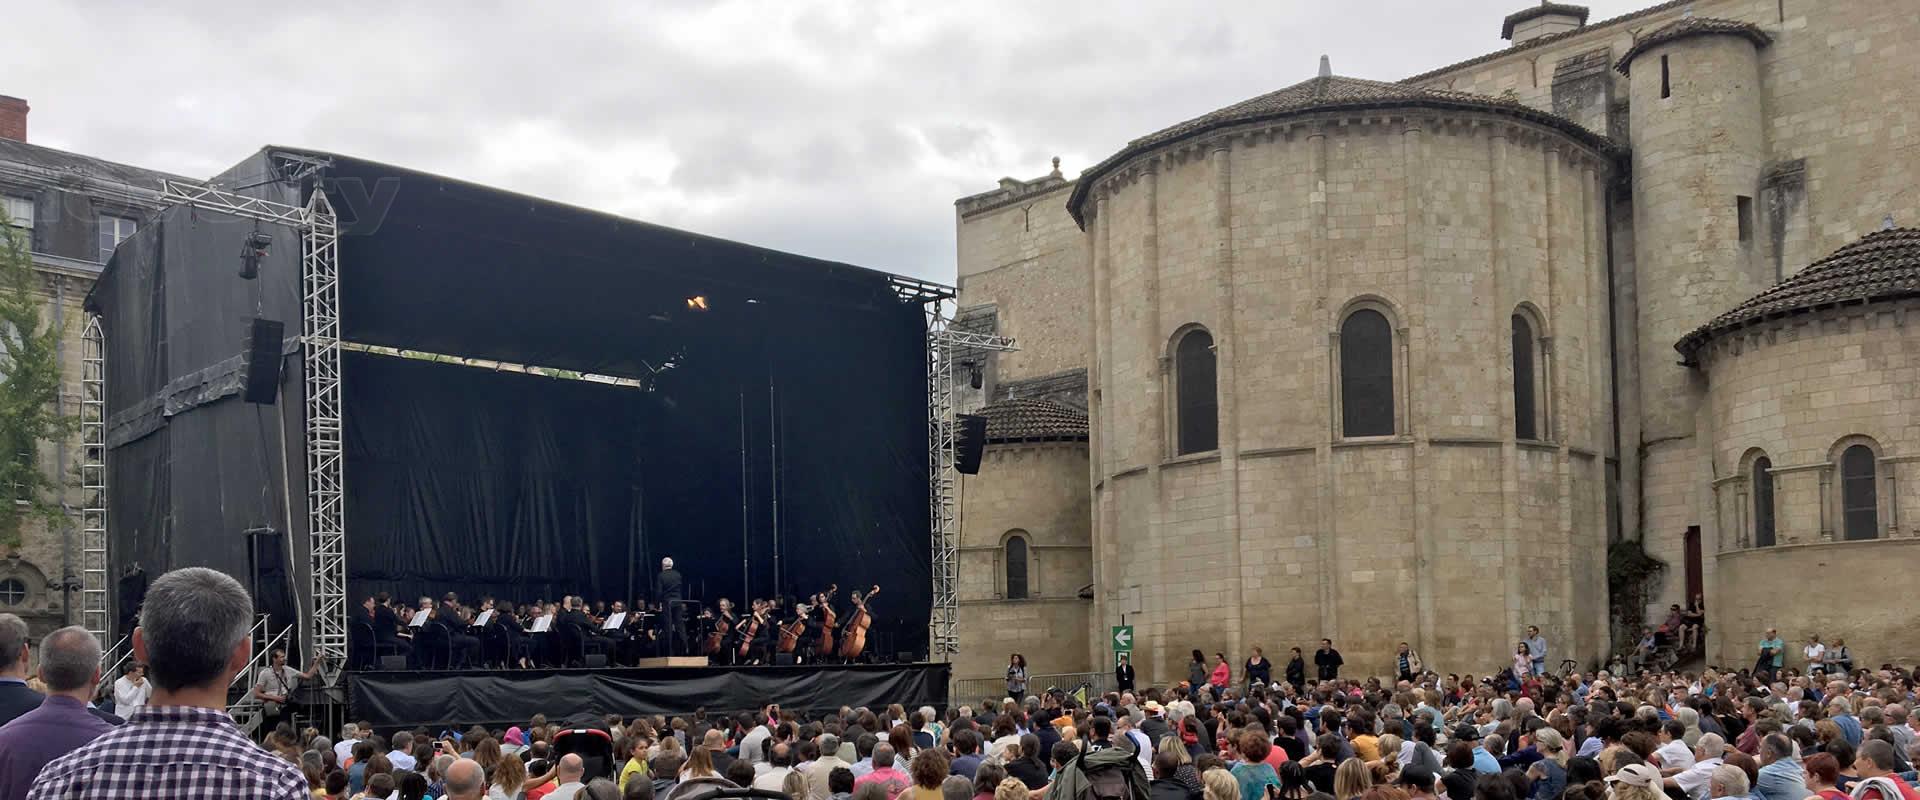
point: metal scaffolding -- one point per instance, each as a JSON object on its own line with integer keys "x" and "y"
{"x": 326, "y": 479}
{"x": 94, "y": 614}
{"x": 320, "y": 340}
{"x": 945, "y": 347}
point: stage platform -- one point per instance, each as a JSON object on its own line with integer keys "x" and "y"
{"x": 499, "y": 698}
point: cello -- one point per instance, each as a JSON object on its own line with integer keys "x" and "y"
{"x": 790, "y": 632}
{"x": 718, "y": 636}
{"x": 750, "y": 628}
{"x": 853, "y": 637}
{"x": 827, "y": 620}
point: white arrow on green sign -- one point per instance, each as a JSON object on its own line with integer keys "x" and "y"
{"x": 1123, "y": 638}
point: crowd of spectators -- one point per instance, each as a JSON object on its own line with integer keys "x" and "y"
{"x": 1715, "y": 735}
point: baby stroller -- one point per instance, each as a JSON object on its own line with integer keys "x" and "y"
{"x": 593, "y": 746}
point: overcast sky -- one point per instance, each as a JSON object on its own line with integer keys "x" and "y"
{"x": 833, "y": 128}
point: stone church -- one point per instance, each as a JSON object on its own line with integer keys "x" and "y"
{"x": 1385, "y": 361}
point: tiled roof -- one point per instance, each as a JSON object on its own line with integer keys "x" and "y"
{"x": 1883, "y": 265}
{"x": 1326, "y": 93}
{"x": 1023, "y": 420}
{"x": 1545, "y": 8}
{"x": 1692, "y": 26}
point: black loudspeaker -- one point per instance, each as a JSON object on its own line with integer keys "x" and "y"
{"x": 596, "y": 660}
{"x": 393, "y": 663}
{"x": 969, "y": 441}
{"x": 263, "y": 361}
{"x": 783, "y": 659}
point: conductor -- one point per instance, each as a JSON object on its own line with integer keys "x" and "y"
{"x": 672, "y": 595}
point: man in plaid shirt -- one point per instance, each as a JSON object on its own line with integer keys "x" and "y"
{"x": 193, "y": 638}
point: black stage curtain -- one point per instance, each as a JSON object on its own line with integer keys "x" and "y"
{"x": 462, "y": 479}
{"x": 494, "y": 699}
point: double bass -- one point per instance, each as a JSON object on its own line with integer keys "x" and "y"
{"x": 853, "y": 637}
{"x": 827, "y": 620}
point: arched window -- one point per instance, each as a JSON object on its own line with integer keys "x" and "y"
{"x": 1525, "y": 423}
{"x": 1366, "y": 374}
{"x": 1196, "y": 401}
{"x": 1762, "y": 478}
{"x": 1859, "y": 498}
{"x": 1016, "y": 564}
{"x": 13, "y": 592}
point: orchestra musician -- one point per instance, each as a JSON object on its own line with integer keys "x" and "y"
{"x": 454, "y": 618}
{"x": 388, "y": 630}
{"x": 811, "y": 631}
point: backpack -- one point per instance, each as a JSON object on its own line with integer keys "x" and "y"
{"x": 1107, "y": 783}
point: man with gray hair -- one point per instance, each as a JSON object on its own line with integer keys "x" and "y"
{"x": 193, "y": 638}
{"x": 1708, "y": 754}
{"x": 570, "y": 774}
{"x": 819, "y": 776}
{"x": 1728, "y": 781}
{"x": 70, "y": 665}
{"x": 15, "y": 697}
{"x": 466, "y": 780}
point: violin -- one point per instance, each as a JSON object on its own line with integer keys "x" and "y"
{"x": 854, "y": 635}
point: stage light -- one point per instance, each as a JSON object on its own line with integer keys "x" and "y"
{"x": 697, "y": 302}
{"x": 252, "y": 251}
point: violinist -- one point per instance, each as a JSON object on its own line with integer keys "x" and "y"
{"x": 388, "y": 629}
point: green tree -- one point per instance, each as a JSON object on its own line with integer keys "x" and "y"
{"x": 29, "y": 387}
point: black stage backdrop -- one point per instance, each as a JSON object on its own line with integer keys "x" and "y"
{"x": 523, "y": 487}
{"x": 494, "y": 699}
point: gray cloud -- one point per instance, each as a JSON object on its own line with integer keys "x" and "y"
{"x": 838, "y": 129}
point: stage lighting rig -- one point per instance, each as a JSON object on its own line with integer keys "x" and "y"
{"x": 254, "y": 249}
{"x": 697, "y": 302}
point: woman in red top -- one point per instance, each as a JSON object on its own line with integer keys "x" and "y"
{"x": 1222, "y": 674}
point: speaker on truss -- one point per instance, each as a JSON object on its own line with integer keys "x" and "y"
{"x": 969, "y": 441}
{"x": 263, "y": 361}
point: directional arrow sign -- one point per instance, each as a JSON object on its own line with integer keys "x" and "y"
{"x": 1123, "y": 638}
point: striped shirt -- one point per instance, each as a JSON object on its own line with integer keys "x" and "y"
{"x": 171, "y": 751}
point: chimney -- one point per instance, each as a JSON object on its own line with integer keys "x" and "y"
{"x": 13, "y": 118}
{"x": 1545, "y": 19}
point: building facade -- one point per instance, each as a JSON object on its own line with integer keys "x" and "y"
{"x": 75, "y": 210}
{"x": 1396, "y": 361}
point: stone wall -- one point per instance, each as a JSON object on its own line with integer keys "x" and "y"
{"x": 1818, "y": 124}
{"x": 1038, "y": 491}
{"x": 1799, "y": 391}
{"x": 1450, "y": 534}
{"x": 1023, "y": 253}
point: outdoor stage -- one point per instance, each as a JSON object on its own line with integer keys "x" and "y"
{"x": 490, "y": 394}
{"x": 497, "y": 698}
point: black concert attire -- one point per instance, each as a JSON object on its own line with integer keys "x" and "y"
{"x": 584, "y": 630}
{"x": 386, "y": 631}
{"x": 673, "y": 591}
{"x": 462, "y": 644}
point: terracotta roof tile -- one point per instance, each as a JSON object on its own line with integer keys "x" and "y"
{"x": 1017, "y": 420}
{"x": 1692, "y": 26}
{"x": 1883, "y": 265}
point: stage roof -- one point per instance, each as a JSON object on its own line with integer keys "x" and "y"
{"x": 443, "y": 265}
